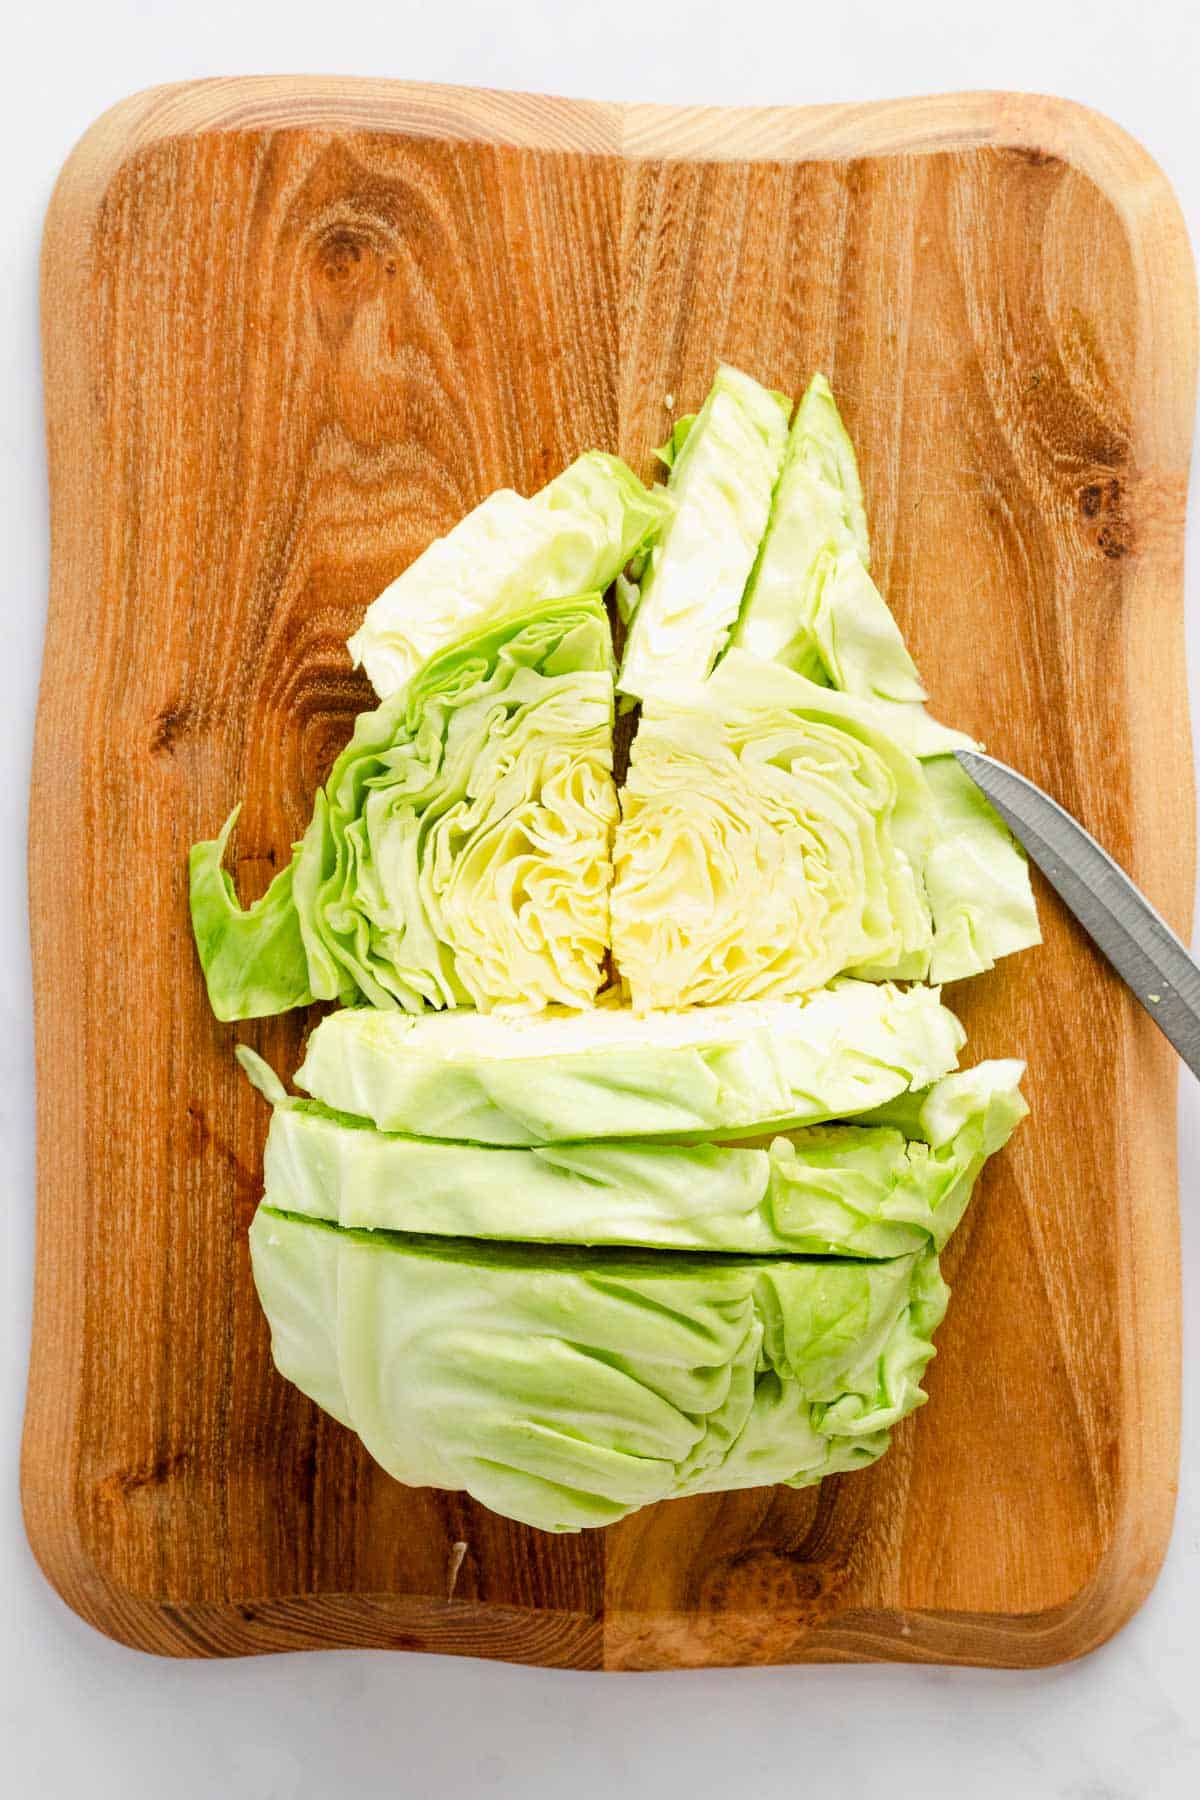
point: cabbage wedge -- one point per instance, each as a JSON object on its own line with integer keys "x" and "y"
{"x": 459, "y": 854}
{"x": 776, "y": 833}
{"x": 811, "y": 605}
{"x": 878, "y": 1189}
{"x": 556, "y": 1076}
{"x": 574, "y": 537}
{"x": 565, "y": 1388}
{"x": 723, "y": 472}
{"x": 773, "y": 835}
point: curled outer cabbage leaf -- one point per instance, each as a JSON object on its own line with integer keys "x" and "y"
{"x": 459, "y": 854}
{"x": 873, "y": 1190}
{"x": 253, "y": 958}
{"x": 976, "y": 878}
{"x": 571, "y": 538}
{"x": 566, "y": 1388}
{"x": 723, "y": 470}
{"x": 556, "y": 1076}
{"x": 773, "y": 834}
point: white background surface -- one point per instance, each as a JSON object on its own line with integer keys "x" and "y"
{"x": 82, "y": 1716}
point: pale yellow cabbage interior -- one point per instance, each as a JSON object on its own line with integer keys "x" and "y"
{"x": 764, "y": 851}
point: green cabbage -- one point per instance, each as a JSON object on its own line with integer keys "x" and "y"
{"x": 459, "y": 854}
{"x": 571, "y": 1250}
{"x": 571, "y": 538}
{"x": 976, "y": 878}
{"x": 566, "y": 1388}
{"x": 722, "y": 475}
{"x": 812, "y": 606}
{"x": 775, "y": 833}
{"x": 845, "y": 1190}
{"x": 253, "y": 959}
{"x": 772, "y": 835}
{"x": 557, "y": 1076}
{"x": 811, "y": 603}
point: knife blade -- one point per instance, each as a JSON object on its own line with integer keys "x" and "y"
{"x": 1118, "y": 918}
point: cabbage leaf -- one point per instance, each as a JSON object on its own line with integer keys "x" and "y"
{"x": 566, "y": 1387}
{"x": 810, "y": 603}
{"x": 253, "y": 958}
{"x": 573, "y": 537}
{"x": 558, "y": 1076}
{"x": 723, "y": 470}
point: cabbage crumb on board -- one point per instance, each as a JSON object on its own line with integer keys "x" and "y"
{"x": 622, "y": 1169}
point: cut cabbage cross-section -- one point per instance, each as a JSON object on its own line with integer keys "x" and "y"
{"x": 565, "y": 1388}
{"x": 773, "y": 835}
{"x": 574, "y": 537}
{"x": 459, "y": 854}
{"x": 558, "y": 1076}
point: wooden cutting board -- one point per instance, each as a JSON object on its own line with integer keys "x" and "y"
{"x": 295, "y": 328}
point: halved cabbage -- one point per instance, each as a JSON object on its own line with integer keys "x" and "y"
{"x": 557, "y": 1076}
{"x": 573, "y": 537}
{"x": 721, "y": 482}
{"x": 459, "y": 854}
{"x": 565, "y": 1388}
{"x": 870, "y": 1190}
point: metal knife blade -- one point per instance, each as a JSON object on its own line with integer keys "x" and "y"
{"x": 1121, "y": 922}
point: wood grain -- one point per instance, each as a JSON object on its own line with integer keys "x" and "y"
{"x": 292, "y": 330}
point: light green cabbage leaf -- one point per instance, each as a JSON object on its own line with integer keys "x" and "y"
{"x": 976, "y": 878}
{"x": 722, "y": 475}
{"x": 668, "y": 453}
{"x": 253, "y": 958}
{"x": 810, "y": 603}
{"x": 841, "y": 1189}
{"x": 459, "y": 854}
{"x": 566, "y": 1388}
{"x": 558, "y": 1076}
{"x": 573, "y": 537}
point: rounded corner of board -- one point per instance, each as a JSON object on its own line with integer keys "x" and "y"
{"x": 129, "y": 125}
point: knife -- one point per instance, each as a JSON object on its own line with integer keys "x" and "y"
{"x": 1120, "y": 921}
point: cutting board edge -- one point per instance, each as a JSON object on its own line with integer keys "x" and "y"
{"x": 622, "y": 1643}
{"x": 1044, "y": 125}
{"x": 1146, "y": 205}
